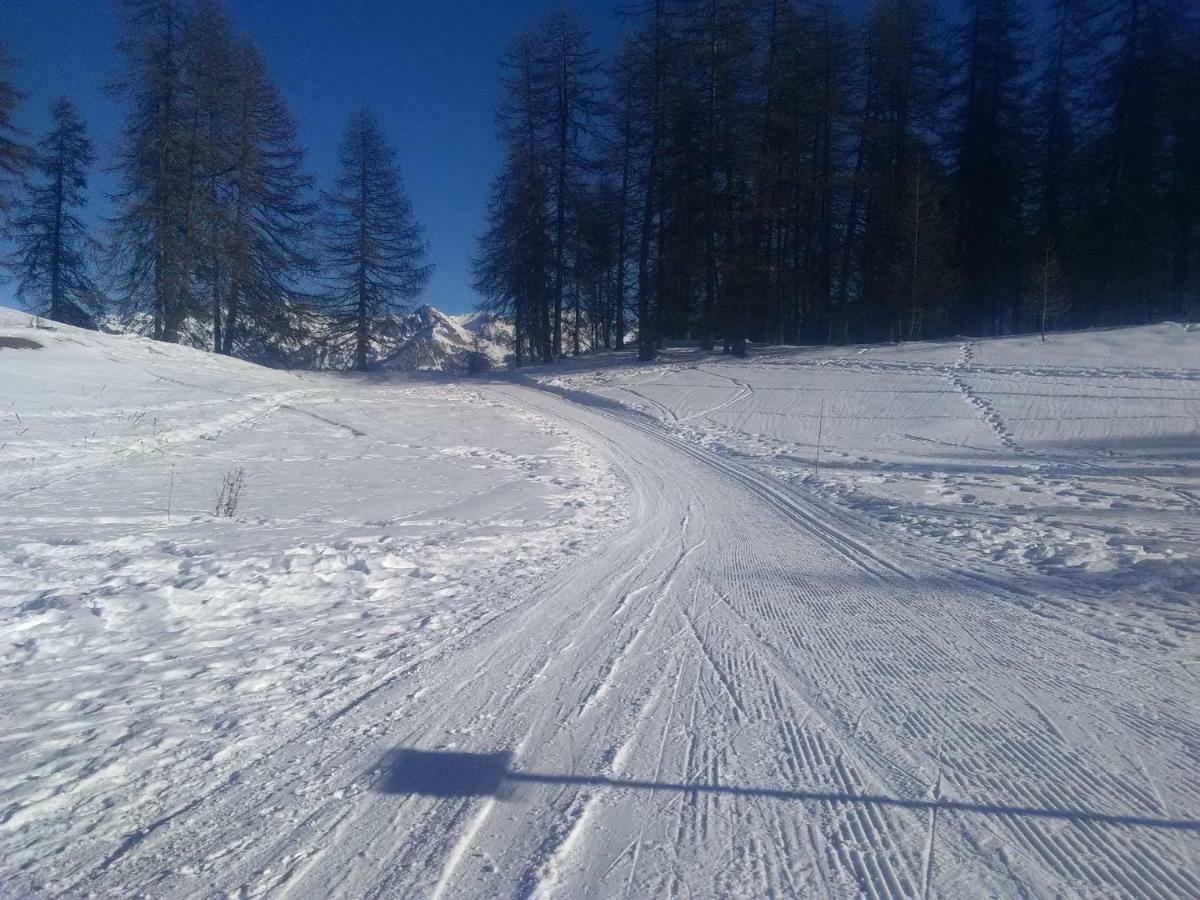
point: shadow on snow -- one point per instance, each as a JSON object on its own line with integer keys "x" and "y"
{"x": 455, "y": 774}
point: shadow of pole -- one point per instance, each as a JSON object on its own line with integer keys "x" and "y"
{"x": 989, "y": 809}
{"x": 456, "y": 774}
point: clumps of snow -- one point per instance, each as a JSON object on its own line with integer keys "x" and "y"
{"x": 149, "y": 649}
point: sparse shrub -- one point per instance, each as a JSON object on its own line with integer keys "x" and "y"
{"x": 231, "y": 493}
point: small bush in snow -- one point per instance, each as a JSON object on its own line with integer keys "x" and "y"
{"x": 231, "y": 493}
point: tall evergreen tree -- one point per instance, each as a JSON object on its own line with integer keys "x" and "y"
{"x": 625, "y": 140}
{"x": 523, "y": 195}
{"x": 902, "y": 95}
{"x": 652, "y": 48}
{"x": 990, "y": 142}
{"x": 12, "y": 153}
{"x": 266, "y": 213}
{"x": 774, "y": 180}
{"x": 1126, "y": 227}
{"x": 150, "y": 234}
{"x": 567, "y": 67}
{"x": 1183, "y": 112}
{"x": 514, "y": 257}
{"x": 53, "y": 246}
{"x": 375, "y": 249}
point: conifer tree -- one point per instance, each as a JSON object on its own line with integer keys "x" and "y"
{"x": 567, "y": 66}
{"x": 989, "y": 165}
{"x": 151, "y": 206}
{"x": 267, "y": 217}
{"x": 375, "y": 250}
{"x": 1183, "y": 112}
{"x": 53, "y": 246}
{"x": 522, "y": 198}
{"x": 12, "y": 154}
{"x": 514, "y": 257}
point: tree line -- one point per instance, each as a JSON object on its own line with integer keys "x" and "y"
{"x": 218, "y": 236}
{"x": 771, "y": 171}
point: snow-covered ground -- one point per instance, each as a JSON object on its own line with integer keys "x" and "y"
{"x": 605, "y": 628}
{"x": 1078, "y": 457}
{"x": 150, "y": 651}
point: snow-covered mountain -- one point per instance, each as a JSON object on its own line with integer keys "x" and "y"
{"x": 426, "y": 339}
{"x": 443, "y": 343}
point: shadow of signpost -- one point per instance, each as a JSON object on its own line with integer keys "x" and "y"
{"x": 437, "y": 773}
{"x": 442, "y": 773}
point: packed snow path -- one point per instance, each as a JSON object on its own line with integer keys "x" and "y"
{"x": 800, "y": 713}
{"x": 743, "y": 691}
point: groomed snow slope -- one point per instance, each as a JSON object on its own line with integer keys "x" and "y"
{"x": 148, "y": 658}
{"x": 766, "y": 677}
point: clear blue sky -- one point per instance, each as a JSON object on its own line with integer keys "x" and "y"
{"x": 427, "y": 68}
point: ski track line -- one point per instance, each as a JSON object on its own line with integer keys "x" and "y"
{"x": 733, "y": 636}
{"x": 1036, "y": 799}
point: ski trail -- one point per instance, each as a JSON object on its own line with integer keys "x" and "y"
{"x": 741, "y": 691}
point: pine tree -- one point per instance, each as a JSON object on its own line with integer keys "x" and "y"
{"x": 567, "y": 66}
{"x": 1127, "y": 166}
{"x": 148, "y": 250}
{"x": 267, "y": 218}
{"x": 12, "y": 154}
{"x": 989, "y": 165}
{"x": 1183, "y": 114}
{"x": 904, "y": 85}
{"x": 52, "y": 242}
{"x": 374, "y": 247}
{"x": 514, "y": 257}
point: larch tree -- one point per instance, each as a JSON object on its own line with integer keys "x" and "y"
{"x": 515, "y": 262}
{"x": 12, "y": 153}
{"x": 53, "y": 247}
{"x": 267, "y": 215}
{"x": 904, "y": 85}
{"x": 768, "y": 172}
{"x": 1127, "y": 164}
{"x": 375, "y": 249}
{"x": 151, "y": 206}
{"x": 1183, "y": 113}
{"x": 652, "y": 48}
{"x": 515, "y": 254}
{"x": 622, "y": 144}
{"x": 989, "y": 150}
{"x": 567, "y": 67}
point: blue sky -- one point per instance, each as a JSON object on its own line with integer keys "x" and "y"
{"x": 427, "y": 68}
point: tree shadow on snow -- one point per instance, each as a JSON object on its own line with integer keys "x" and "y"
{"x": 437, "y": 773}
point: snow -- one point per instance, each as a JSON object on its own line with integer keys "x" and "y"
{"x": 603, "y": 628}
{"x": 146, "y": 656}
{"x": 1075, "y": 457}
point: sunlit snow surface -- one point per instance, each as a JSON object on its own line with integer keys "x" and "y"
{"x": 1077, "y": 457}
{"x": 146, "y": 656}
{"x": 606, "y": 628}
